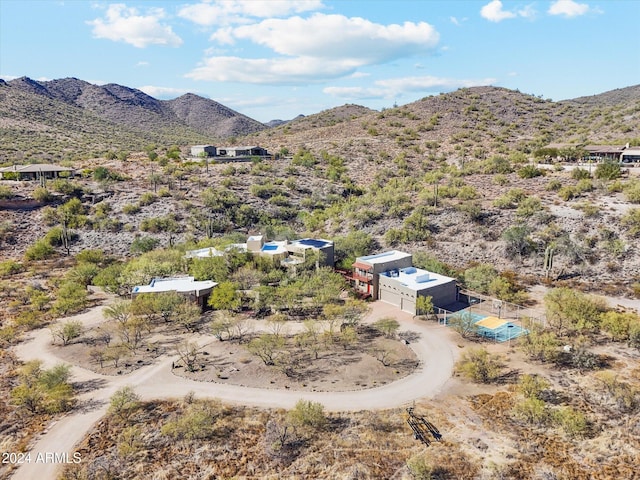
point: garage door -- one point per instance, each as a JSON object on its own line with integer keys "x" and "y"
{"x": 390, "y": 297}
{"x": 408, "y": 305}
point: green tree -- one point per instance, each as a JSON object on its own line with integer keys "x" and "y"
{"x": 225, "y": 296}
{"x": 387, "y": 326}
{"x": 67, "y": 331}
{"x": 540, "y": 345}
{"x": 211, "y": 268}
{"x": 424, "y": 305}
{"x": 517, "y": 241}
{"x": 479, "y": 278}
{"x": 479, "y": 365}
{"x": 568, "y": 309}
{"x": 268, "y": 347}
{"x": 619, "y": 324}
{"x": 124, "y": 402}
{"x": 463, "y": 323}
{"x": 43, "y": 391}
{"x": 71, "y": 297}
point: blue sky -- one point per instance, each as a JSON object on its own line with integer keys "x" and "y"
{"x": 277, "y": 59}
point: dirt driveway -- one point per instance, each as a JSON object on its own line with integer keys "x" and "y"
{"x": 434, "y": 346}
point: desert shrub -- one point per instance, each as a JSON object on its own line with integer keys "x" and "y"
{"x": 517, "y": 241}
{"x": 532, "y": 386}
{"x": 619, "y": 324}
{"x": 308, "y": 414}
{"x": 431, "y": 263}
{"x": 66, "y": 187}
{"x": 584, "y": 185}
{"x": 569, "y": 309}
{"x": 540, "y": 345}
{"x": 580, "y": 174}
{"x": 130, "y": 209}
{"x": 43, "y": 391}
{"x": 510, "y": 199}
{"x": 479, "y": 278}
{"x": 40, "y": 250}
{"x": 529, "y": 207}
{"x": 533, "y": 411}
{"x": 497, "y": 164}
{"x": 530, "y": 171}
{"x": 464, "y": 324}
{"x": 554, "y": 185}
{"x": 573, "y": 422}
{"x": 479, "y": 365}
{"x": 71, "y": 297}
{"x": 41, "y": 194}
{"x": 90, "y": 255}
{"x": 6, "y": 192}
{"x": 123, "y": 403}
{"x": 167, "y": 223}
{"x": 147, "y": 198}
{"x": 67, "y": 331}
{"x": 631, "y": 220}
{"x": 632, "y": 191}
{"x": 608, "y": 171}
{"x": 144, "y": 244}
{"x": 9, "y": 267}
{"x": 567, "y": 193}
{"x": 197, "y": 422}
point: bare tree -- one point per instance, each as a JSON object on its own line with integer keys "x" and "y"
{"x": 188, "y": 353}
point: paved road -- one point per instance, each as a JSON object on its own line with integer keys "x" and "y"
{"x": 435, "y": 348}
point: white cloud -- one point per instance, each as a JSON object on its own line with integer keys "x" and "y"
{"x": 356, "y": 93}
{"x": 142, "y": 64}
{"x": 528, "y": 12}
{"x": 393, "y": 87}
{"x": 359, "y": 75}
{"x": 493, "y": 12}
{"x": 331, "y": 36}
{"x": 123, "y": 24}
{"x": 314, "y": 49}
{"x": 568, "y": 8}
{"x": 458, "y": 21}
{"x": 231, "y": 12}
{"x": 8, "y": 78}
{"x": 162, "y": 92}
{"x": 270, "y": 71}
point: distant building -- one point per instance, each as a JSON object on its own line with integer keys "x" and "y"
{"x": 203, "y": 151}
{"x": 36, "y": 171}
{"x": 246, "y": 151}
{"x": 630, "y": 155}
{"x": 197, "y": 291}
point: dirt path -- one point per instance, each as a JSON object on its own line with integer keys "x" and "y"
{"x": 434, "y": 347}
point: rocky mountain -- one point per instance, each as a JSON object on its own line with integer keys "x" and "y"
{"x": 470, "y": 123}
{"x": 68, "y": 117}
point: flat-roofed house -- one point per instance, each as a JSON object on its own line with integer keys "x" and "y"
{"x": 367, "y": 269}
{"x": 244, "y": 151}
{"x": 299, "y": 249}
{"x": 35, "y": 171}
{"x": 630, "y": 155}
{"x": 402, "y": 287}
{"x": 204, "y": 151}
{"x": 197, "y": 291}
